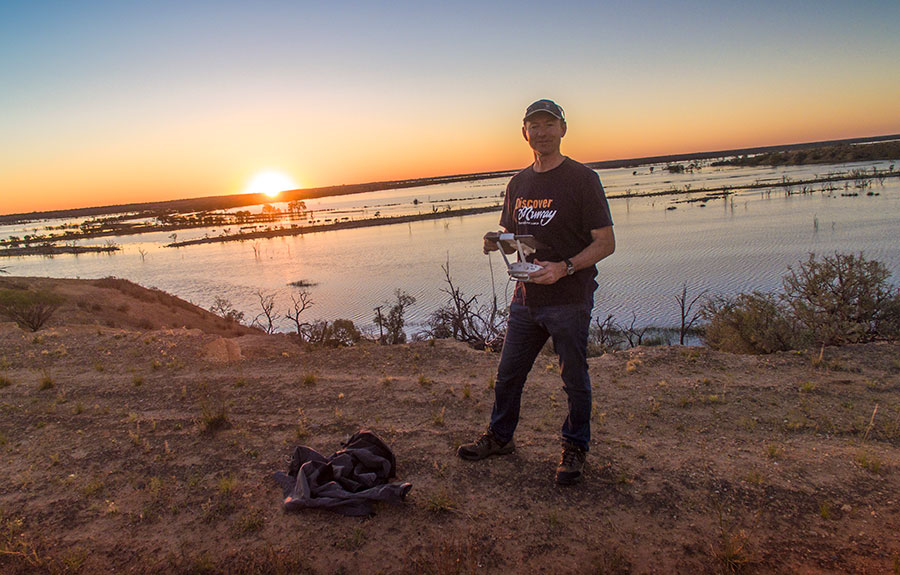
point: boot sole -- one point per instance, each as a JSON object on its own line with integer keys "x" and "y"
{"x": 476, "y": 457}
{"x": 569, "y": 480}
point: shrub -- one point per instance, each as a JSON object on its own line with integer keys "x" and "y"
{"x": 888, "y": 325}
{"x": 29, "y": 309}
{"x": 748, "y": 323}
{"x": 342, "y": 332}
{"x": 391, "y": 326}
{"x": 223, "y": 308}
{"x": 835, "y": 300}
{"x": 843, "y": 299}
{"x": 314, "y": 332}
{"x": 267, "y": 303}
{"x": 604, "y": 336}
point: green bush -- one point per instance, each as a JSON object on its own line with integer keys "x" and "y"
{"x": 29, "y": 309}
{"x": 390, "y": 326}
{"x": 342, "y": 332}
{"x": 842, "y": 299}
{"x": 223, "y": 308}
{"x": 888, "y": 325}
{"x": 838, "y": 299}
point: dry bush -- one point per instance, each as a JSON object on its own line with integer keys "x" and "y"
{"x": 341, "y": 332}
{"x": 463, "y": 319}
{"x": 748, "y": 323}
{"x": 213, "y": 411}
{"x": 29, "y": 309}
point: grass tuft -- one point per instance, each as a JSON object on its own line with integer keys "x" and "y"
{"x": 251, "y": 521}
{"x": 226, "y": 485}
{"x": 438, "y": 418}
{"x": 46, "y": 381}
{"x": 440, "y": 502}
{"x": 869, "y": 462}
{"x": 213, "y": 413}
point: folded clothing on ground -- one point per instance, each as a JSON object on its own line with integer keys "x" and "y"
{"x": 348, "y": 482}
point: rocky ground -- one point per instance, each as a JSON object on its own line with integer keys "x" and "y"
{"x": 139, "y": 434}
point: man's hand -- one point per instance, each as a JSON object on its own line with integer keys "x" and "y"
{"x": 490, "y": 242}
{"x": 550, "y": 274}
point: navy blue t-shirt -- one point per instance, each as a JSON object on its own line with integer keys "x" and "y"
{"x": 559, "y": 208}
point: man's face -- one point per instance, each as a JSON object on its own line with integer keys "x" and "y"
{"x": 544, "y": 132}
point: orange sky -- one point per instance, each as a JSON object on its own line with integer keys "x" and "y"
{"x": 105, "y": 106}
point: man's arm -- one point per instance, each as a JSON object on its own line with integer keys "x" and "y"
{"x": 603, "y": 244}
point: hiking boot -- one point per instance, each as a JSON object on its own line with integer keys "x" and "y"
{"x": 571, "y": 464}
{"x": 486, "y": 446}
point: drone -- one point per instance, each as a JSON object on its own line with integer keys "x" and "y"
{"x": 524, "y": 245}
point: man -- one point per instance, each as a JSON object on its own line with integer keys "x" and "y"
{"x": 562, "y": 204}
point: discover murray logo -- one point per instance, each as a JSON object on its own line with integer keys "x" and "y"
{"x": 537, "y": 212}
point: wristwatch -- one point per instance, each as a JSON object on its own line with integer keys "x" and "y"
{"x": 570, "y": 267}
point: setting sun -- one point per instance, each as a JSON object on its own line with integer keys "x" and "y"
{"x": 270, "y": 183}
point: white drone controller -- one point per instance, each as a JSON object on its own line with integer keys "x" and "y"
{"x": 521, "y": 270}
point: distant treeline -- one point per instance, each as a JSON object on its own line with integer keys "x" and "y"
{"x": 837, "y": 154}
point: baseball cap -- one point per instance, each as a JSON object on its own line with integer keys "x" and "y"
{"x": 548, "y": 106}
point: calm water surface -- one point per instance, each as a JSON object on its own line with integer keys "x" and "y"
{"x": 742, "y": 243}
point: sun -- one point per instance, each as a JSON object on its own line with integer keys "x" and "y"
{"x": 271, "y": 183}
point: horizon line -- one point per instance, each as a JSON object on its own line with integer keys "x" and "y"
{"x": 339, "y": 189}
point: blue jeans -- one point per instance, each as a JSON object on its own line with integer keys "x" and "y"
{"x": 527, "y": 331}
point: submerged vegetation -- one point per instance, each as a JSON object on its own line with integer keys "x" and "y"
{"x": 836, "y": 154}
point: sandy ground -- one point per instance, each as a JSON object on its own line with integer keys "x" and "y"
{"x": 702, "y": 462}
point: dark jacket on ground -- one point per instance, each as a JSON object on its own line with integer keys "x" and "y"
{"x": 347, "y": 482}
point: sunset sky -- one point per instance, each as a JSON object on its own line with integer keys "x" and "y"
{"x": 122, "y": 101}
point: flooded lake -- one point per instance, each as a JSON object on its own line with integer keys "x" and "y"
{"x": 741, "y": 243}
